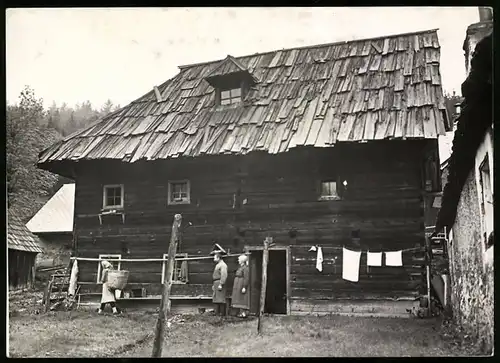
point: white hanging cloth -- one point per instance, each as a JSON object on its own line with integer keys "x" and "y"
{"x": 319, "y": 260}
{"x": 350, "y": 265}
{"x": 374, "y": 258}
{"x": 73, "y": 279}
{"x": 312, "y": 249}
{"x": 394, "y": 258}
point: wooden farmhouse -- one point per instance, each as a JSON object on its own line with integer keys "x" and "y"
{"x": 53, "y": 224}
{"x": 312, "y": 146}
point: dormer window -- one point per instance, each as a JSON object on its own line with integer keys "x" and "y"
{"x": 230, "y": 96}
{"x": 231, "y": 81}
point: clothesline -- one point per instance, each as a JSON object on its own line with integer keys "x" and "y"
{"x": 402, "y": 250}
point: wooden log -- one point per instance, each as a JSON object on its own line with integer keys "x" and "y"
{"x": 428, "y": 273}
{"x": 265, "y": 258}
{"x": 47, "y": 294}
{"x": 165, "y": 298}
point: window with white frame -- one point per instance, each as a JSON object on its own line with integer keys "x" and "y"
{"x": 329, "y": 190}
{"x": 230, "y": 96}
{"x": 178, "y": 277}
{"x": 113, "y": 259}
{"x": 486, "y": 201}
{"x": 179, "y": 192}
{"x": 112, "y": 196}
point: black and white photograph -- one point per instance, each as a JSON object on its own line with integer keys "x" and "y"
{"x": 249, "y": 182}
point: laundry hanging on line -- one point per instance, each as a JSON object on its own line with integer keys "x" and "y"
{"x": 350, "y": 264}
{"x": 373, "y": 258}
{"x": 394, "y": 258}
{"x": 319, "y": 260}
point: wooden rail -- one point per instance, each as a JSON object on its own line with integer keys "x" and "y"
{"x": 156, "y": 259}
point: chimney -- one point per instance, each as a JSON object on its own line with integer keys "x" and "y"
{"x": 476, "y": 32}
{"x": 485, "y": 14}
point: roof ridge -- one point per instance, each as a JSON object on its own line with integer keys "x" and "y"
{"x": 182, "y": 67}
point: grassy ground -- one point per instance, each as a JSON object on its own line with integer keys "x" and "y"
{"x": 336, "y": 336}
{"x": 76, "y": 334}
{"x": 70, "y": 334}
{"x": 86, "y": 334}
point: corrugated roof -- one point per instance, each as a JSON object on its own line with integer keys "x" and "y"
{"x": 19, "y": 238}
{"x": 57, "y": 214}
{"x": 371, "y": 89}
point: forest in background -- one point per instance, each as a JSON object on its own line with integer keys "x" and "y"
{"x": 30, "y": 129}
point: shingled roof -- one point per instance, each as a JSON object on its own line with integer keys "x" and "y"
{"x": 20, "y": 238}
{"x": 360, "y": 90}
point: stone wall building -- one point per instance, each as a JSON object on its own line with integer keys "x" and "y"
{"x": 467, "y": 205}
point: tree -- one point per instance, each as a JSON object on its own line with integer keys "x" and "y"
{"x": 107, "y": 107}
{"x": 26, "y": 136}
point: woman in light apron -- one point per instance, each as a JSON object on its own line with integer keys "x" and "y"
{"x": 108, "y": 295}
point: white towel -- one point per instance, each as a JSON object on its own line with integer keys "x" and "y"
{"x": 350, "y": 265}
{"x": 394, "y": 258}
{"x": 319, "y": 260}
{"x": 374, "y": 258}
{"x": 312, "y": 249}
{"x": 73, "y": 279}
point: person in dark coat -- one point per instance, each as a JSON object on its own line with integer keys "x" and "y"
{"x": 240, "y": 297}
{"x": 219, "y": 279}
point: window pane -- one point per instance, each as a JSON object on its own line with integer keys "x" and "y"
{"x": 110, "y": 200}
{"x": 329, "y": 189}
{"x": 333, "y": 188}
{"x": 227, "y": 101}
{"x": 236, "y": 92}
{"x": 225, "y": 94}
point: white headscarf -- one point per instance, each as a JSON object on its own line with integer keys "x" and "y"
{"x": 106, "y": 264}
{"x": 243, "y": 259}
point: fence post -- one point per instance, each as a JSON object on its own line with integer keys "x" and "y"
{"x": 165, "y": 297}
{"x": 265, "y": 258}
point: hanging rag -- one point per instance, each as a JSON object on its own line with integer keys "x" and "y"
{"x": 73, "y": 279}
{"x": 319, "y": 260}
{"x": 312, "y": 249}
{"x": 394, "y": 258}
{"x": 183, "y": 275}
{"x": 374, "y": 258}
{"x": 350, "y": 264}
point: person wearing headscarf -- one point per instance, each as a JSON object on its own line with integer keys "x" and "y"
{"x": 108, "y": 295}
{"x": 240, "y": 297}
{"x": 219, "y": 278}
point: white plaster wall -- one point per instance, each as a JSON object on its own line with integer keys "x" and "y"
{"x": 486, "y": 148}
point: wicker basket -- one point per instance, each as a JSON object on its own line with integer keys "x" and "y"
{"x": 117, "y": 279}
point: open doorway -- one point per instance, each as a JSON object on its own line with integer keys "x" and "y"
{"x": 277, "y": 285}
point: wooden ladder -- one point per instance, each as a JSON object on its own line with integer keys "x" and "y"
{"x": 60, "y": 280}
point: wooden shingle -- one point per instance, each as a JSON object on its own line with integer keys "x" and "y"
{"x": 371, "y": 89}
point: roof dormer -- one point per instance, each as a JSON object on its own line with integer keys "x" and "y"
{"x": 231, "y": 81}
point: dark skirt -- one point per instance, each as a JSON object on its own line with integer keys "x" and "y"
{"x": 219, "y": 296}
{"x": 240, "y": 300}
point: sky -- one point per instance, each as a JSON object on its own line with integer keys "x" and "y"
{"x": 72, "y": 55}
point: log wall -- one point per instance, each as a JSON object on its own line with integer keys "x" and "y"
{"x": 238, "y": 200}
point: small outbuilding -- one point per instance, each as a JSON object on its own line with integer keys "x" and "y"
{"x": 23, "y": 246}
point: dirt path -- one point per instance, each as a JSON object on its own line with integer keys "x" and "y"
{"x": 336, "y": 336}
